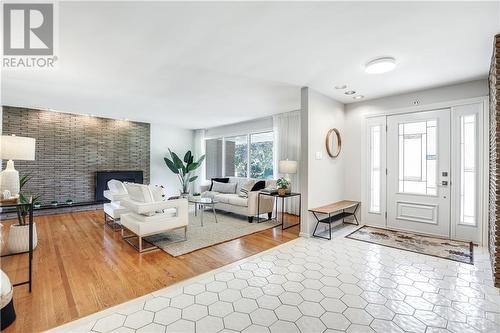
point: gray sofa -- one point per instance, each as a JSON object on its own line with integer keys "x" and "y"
{"x": 232, "y": 202}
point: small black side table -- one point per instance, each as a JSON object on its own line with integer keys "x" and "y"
{"x": 283, "y": 197}
{"x": 19, "y": 204}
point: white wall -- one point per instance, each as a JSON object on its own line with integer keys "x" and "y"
{"x": 251, "y": 126}
{"x": 325, "y": 180}
{"x": 355, "y": 114}
{"x": 164, "y": 137}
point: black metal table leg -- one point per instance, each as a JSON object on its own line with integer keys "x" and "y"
{"x": 30, "y": 244}
{"x": 282, "y": 211}
{"x": 276, "y": 208}
{"x": 295, "y": 224}
{"x": 258, "y": 207}
{"x": 317, "y": 223}
{"x": 354, "y": 214}
{"x": 330, "y": 225}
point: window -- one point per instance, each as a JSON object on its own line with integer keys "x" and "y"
{"x": 236, "y": 153}
{"x": 261, "y": 155}
{"x": 213, "y": 162}
{"x": 418, "y": 157}
{"x": 468, "y": 171}
{"x": 375, "y": 132}
{"x": 249, "y": 155}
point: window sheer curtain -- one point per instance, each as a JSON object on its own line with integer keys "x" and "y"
{"x": 198, "y": 150}
{"x": 287, "y": 146}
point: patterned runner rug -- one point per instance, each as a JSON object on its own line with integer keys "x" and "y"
{"x": 437, "y": 247}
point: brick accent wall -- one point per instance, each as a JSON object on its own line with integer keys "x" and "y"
{"x": 494, "y": 196}
{"x": 70, "y": 148}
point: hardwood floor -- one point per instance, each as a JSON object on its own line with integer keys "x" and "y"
{"x": 81, "y": 267}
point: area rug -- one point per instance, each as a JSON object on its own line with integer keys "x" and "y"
{"x": 229, "y": 227}
{"x": 437, "y": 247}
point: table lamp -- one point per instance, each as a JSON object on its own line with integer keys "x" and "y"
{"x": 287, "y": 168}
{"x": 14, "y": 148}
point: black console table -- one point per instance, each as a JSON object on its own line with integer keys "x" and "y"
{"x": 283, "y": 197}
{"x": 18, "y": 205}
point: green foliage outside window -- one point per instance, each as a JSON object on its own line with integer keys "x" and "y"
{"x": 261, "y": 160}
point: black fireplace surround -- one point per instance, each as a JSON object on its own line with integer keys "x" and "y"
{"x": 102, "y": 178}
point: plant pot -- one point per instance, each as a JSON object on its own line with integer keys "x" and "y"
{"x": 18, "y": 240}
{"x": 282, "y": 192}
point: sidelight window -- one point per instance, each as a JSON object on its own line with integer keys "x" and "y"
{"x": 468, "y": 171}
{"x": 375, "y": 175}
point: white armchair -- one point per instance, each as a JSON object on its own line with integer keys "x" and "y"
{"x": 149, "y": 215}
{"x": 112, "y": 211}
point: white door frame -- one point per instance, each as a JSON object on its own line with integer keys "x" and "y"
{"x": 484, "y": 153}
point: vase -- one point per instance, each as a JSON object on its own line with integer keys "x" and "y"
{"x": 18, "y": 240}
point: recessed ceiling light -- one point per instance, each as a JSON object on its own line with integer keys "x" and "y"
{"x": 380, "y": 65}
{"x": 350, "y": 92}
{"x": 341, "y": 86}
{"x": 359, "y": 97}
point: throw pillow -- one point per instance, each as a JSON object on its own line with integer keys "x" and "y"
{"x": 117, "y": 187}
{"x": 224, "y": 187}
{"x": 157, "y": 193}
{"x": 247, "y": 187}
{"x": 220, "y": 180}
{"x": 259, "y": 185}
{"x": 139, "y": 192}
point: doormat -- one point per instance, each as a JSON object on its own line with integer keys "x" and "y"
{"x": 432, "y": 246}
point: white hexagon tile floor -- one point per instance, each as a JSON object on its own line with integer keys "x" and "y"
{"x": 315, "y": 285}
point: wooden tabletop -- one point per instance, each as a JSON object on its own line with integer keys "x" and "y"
{"x": 335, "y": 207}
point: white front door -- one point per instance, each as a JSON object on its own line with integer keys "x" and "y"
{"x": 418, "y": 172}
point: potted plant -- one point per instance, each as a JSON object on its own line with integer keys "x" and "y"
{"x": 54, "y": 203}
{"x": 184, "y": 169}
{"x": 37, "y": 204}
{"x": 18, "y": 240}
{"x": 283, "y": 185}
{"x": 69, "y": 202}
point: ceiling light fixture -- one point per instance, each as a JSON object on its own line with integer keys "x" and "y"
{"x": 350, "y": 92}
{"x": 380, "y": 65}
{"x": 341, "y": 86}
{"x": 359, "y": 97}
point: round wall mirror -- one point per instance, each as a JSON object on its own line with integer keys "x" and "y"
{"x": 333, "y": 142}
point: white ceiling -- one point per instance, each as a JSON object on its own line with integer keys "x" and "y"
{"x": 198, "y": 65}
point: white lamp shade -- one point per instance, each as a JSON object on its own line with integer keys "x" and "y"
{"x": 17, "y": 148}
{"x": 287, "y": 167}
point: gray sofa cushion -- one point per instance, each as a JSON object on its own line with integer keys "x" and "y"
{"x": 243, "y": 192}
{"x": 238, "y": 201}
{"x": 231, "y": 199}
{"x": 210, "y": 194}
{"x": 224, "y": 187}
